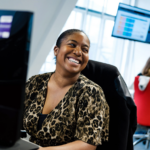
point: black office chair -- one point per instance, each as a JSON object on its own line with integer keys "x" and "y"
{"x": 123, "y": 120}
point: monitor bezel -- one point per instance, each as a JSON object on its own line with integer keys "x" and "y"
{"x": 115, "y": 22}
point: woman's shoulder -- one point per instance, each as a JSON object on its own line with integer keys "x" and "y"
{"x": 87, "y": 83}
{"x": 91, "y": 90}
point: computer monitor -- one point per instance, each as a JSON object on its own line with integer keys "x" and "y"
{"x": 132, "y": 23}
{"x": 15, "y": 40}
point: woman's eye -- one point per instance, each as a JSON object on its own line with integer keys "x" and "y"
{"x": 73, "y": 45}
{"x": 85, "y": 50}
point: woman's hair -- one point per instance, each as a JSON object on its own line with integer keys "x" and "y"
{"x": 146, "y": 69}
{"x": 67, "y": 33}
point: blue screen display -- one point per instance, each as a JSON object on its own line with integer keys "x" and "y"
{"x": 132, "y": 23}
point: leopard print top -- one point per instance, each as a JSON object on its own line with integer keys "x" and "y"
{"x": 83, "y": 113}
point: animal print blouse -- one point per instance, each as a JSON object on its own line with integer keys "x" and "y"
{"x": 83, "y": 113}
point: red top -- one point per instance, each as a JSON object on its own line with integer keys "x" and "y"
{"x": 142, "y": 101}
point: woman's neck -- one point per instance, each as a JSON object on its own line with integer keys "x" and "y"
{"x": 64, "y": 79}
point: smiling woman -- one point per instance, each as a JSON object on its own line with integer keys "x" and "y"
{"x": 72, "y": 54}
{"x": 64, "y": 109}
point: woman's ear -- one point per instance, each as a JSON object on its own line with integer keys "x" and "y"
{"x": 56, "y": 50}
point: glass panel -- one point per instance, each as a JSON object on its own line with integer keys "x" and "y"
{"x": 50, "y": 57}
{"x": 105, "y": 57}
{"x": 42, "y": 70}
{"x": 74, "y": 20}
{"x": 108, "y": 41}
{"x": 70, "y": 22}
{"x": 92, "y": 29}
{"x": 93, "y": 51}
{"x": 49, "y": 67}
{"x": 96, "y": 5}
{"x": 112, "y": 6}
{"x": 49, "y": 64}
{"x": 82, "y": 3}
{"x": 78, "y": 20}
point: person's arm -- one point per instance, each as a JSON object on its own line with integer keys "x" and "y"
{"x": 27, "y": 101}
{"x": 76, "y": 145}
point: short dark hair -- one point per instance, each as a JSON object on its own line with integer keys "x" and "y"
{"x": 67, "y": 33}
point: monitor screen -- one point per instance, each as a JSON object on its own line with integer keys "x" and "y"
{"x": 5, "y": 25}
{"x": 15, "y": 39}
{"x": 132, "y": 23}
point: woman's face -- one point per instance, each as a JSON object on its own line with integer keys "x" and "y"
{"x": 73, "y": 54}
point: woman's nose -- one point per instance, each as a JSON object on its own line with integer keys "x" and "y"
{"x": 77, "y": 51}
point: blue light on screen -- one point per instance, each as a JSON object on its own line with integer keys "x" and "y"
{"x": 132, "y": 23}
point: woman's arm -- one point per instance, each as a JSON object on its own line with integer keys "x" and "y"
{"x": 76, "y": 145}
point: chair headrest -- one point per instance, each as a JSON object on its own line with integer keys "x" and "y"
{"x": 100, "y": 72}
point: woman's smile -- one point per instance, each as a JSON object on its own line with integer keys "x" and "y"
{"x": 73, "y": 60}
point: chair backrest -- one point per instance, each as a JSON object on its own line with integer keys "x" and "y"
{"x": 142, "y": 101}
{"x": 122, "y": 108}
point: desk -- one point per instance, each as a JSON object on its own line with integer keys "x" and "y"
{"x": 22, "y": 145}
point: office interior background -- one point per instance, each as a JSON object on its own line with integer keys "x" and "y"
{"x": 96, "y": 18}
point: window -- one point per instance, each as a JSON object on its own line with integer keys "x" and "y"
{"x": 112, "y": 6}
{"x": 96, "y": 18}
{"x": 92, "y": 29}
{"x": 108, "y": 43}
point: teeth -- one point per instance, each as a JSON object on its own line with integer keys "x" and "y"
{"x": 75, "y": 61}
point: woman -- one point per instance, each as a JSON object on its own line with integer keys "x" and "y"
{"x": 140, "y": 93}
{"x": 64, "y": 109}
{"x": 144, "y": 76}
{"x": 146, "y": 69}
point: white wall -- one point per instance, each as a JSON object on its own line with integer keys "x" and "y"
{"x": 49, "y": 18}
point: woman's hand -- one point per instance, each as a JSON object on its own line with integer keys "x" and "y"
{"x": 45, "y": 148}
{"x": 76, "y": 145}
{"x": 41, "y": 148}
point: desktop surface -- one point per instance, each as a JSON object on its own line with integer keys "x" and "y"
{"x": 21, "y": 144}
